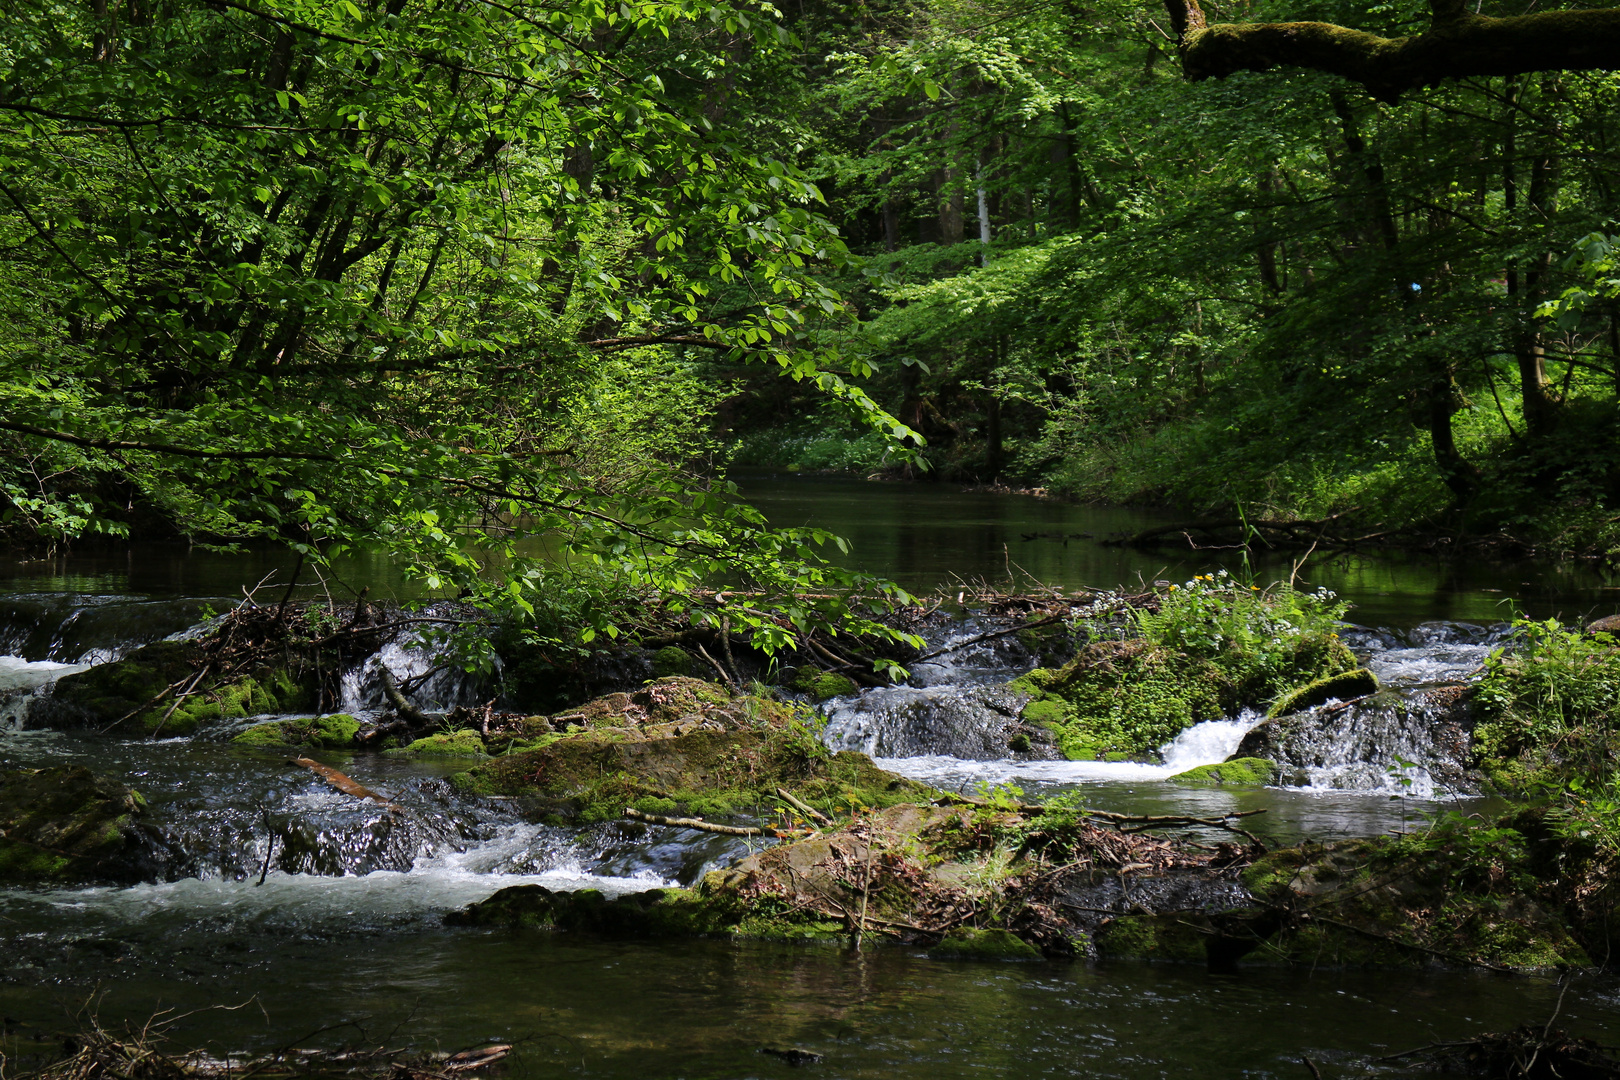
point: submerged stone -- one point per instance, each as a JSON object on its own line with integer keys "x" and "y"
{"x": 968, "y": 943}
{"x": 333, "y": 732}
{"x": 1255, "y": 771}
{"x": 653, "y": 913}
{"x": 65, "y": 824}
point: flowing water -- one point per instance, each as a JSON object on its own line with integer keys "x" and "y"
{"x": 262, "y": 884}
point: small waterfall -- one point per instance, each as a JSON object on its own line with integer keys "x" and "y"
{"x": 21, "y": 684}
{"x": 1207, "y": 743}
{"x": 74, "y": 628}
{"x": 969, "y": 721}
{"x": 426, "y": 675}
{"x": 969, "y": 661}
{"x": 1420, "y": 717}
{"x": 1359, "y": 746}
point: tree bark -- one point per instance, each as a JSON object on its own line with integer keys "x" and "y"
{"x": 1457, "y": 44}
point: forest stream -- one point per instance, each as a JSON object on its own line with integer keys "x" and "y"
{"x": 336, "y": 935}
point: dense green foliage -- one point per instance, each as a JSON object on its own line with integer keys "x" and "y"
{"x": 1270, "y": 291}
{"x": 1548, "y": 711}
{"x": 407, "y": 277}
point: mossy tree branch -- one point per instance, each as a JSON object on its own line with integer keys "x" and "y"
{"x": 1457, "y": 44}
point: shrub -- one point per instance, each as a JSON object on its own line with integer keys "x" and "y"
{"x": 1265, "y": 640}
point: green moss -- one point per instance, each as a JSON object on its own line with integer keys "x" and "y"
{"x": 966, "y": 943}
{"x": 658, "y": 913}
{"x": 65, "y": 823}
{"x": 463, "y": 743}
{"x": 1034, "y": 682}
{"x": 1343, "y": 686}
{"x": 334, "y": 732}
{"x": 590, "y": 778}
{"x": 1152, "y": 937}
{"x": 1126, "y": 698}
{"x": 120, "y": 692}
{"x": 1256, "y": 771}
{"x": 671, "y": 660}
{"x": 821, "y": 685}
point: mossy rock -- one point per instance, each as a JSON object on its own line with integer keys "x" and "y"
{"x": 656, "y": 913}
{"x": 66, "y": 824}
{"x": 1123, "y": 698}
{"x": 671, "y": 660}
{"x": 821, "y": 685}
{"x": 119, "y": 692}
{"x": 463, "y": 743}
{"x": 1153, "y": 937}
{"x": 967, "y": 943}
{"x": 593, "y": 776}
{"x": 1253, "y": 771}
{"x": 1414, "y": 902}
{"x": 1358, "y": 682}
{"x": 333, "y": 732}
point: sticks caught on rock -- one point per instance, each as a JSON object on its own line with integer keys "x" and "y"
{"x": 803, "y": 807}
{"x": 697, "y": 823}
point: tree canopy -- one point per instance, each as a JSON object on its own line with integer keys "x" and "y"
{"x": 344, "y": 275}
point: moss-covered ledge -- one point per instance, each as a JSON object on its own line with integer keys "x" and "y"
{"x": 137, "y": 695}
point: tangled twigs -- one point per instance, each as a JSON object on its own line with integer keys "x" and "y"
{"x": 699, "y": 824}
{"x": 1528, "y": 1052}
{"x": 94, "y": 1053}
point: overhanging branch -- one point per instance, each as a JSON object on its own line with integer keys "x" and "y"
{"x": 1458, "y": 44}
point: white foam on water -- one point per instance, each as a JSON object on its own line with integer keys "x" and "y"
{"x": 436, "y": 883}
{"x": 1202, "y": 744}
{"x": 19, "y": 674}
{"x": 21, "y": 681}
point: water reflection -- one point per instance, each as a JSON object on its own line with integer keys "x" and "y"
{"x": 927, "y": 536}
{"x": 704, "y": 1009}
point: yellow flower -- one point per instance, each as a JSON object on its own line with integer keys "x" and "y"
{"x": 1172, "y": 588}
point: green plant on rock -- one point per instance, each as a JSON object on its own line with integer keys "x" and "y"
{"x": 1547, "y": 707}
{"x": 1266, "y": 640}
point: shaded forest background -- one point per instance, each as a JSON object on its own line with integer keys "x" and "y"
{"x": 510, "y": 286}
{"x": 1271, "y": 292}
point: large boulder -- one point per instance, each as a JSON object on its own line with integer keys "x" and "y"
{"x": 66, "y": 824}
{"x": 1362, "y": 744}
{"x": 1125, "y": 698}
{"x": 680, "y": 745}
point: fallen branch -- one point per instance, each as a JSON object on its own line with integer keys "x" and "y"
{"x": 986, "y": 637}
{"x": 804, "y": 808}
{"x": 398, "y": 700}
{"x": 342, "y": 782}
{"x": 698, "y": 824}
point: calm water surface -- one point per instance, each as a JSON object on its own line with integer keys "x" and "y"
{"x": 926, "y": 537}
